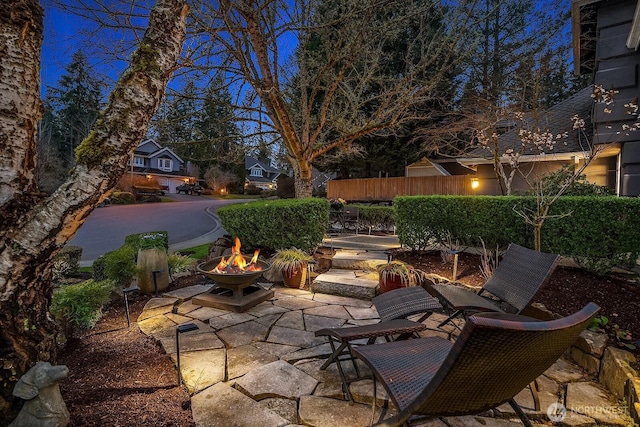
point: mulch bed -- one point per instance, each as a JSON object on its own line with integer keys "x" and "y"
{"x": 120, "y": 377}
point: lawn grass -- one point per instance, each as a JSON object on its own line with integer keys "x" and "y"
{"x": 86, "y": 269}
{"x": 236, "y": 196}
{"x": 199, "y": 252}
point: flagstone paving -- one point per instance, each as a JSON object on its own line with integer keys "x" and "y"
{"x": 262, "y": 367}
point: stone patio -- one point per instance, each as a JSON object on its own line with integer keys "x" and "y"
{"x": 261, "y": 367}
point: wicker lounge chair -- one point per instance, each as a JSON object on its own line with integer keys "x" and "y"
{"x": 404, "y": 302}
{"x": 494, "y": 358}
{"x": 515, "y": 282}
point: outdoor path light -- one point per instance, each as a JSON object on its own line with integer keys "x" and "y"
{"x": 187, "y": 327}
{"x": 125, "y": 292}
{"x": 155, "y": 281}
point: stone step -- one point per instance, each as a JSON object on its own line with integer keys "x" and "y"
{"x": 354, "y": 259}
{"x": 347, "y": 283}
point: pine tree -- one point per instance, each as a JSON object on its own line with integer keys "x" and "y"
{"x": 76, "y": 105}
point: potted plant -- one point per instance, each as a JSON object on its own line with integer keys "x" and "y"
{"x": 293, "y": 265}
{"x": 394, "y": 275}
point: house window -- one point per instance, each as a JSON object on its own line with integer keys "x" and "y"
{"x": 138, "y": 161}
{"x": 256, "y": 172}
{"x": 165, "y": 164}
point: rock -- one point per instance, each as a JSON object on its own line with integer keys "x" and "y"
{"x": 201, "y": 369}
{"x": 222, "y": 406}
{"x": 616, "y": 370}
{"x": 587, "y": 399}
{"x": 592, "y": 343}
{"x": 277, "y": 379}
{"x": 322, "y": 411}
{"x": 587, "y": 361}
{"x": 243, "y": 359}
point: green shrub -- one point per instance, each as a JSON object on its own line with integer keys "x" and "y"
{"x": 277, "y": 224}
{"x": 67, "y": 262}
{"x": 99, "y": 267}
{"x": 179, "y": 263}
{"x": 120, "y": 265}
{"x": 377, "y": 217}
{"x": 122, "y": 198}
{"x": 148, "y": 240}
{"x": 597, "y": 229}
{"x": 79, "y": 306}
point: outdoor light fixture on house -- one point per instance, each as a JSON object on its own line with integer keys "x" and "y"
{"x": 475, "y": 183}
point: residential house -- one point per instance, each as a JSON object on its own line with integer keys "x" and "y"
{"x": 152, "y": 160}
{"x": 260, "y": 174}
{"x": 606, "y": 37}
{"x": 535, "y": 163}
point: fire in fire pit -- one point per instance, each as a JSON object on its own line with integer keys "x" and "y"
{"x": 237, "y": 263}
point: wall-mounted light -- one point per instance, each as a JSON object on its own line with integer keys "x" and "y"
{"x": 475, "y": 183}
{"x": 148, "y": 176}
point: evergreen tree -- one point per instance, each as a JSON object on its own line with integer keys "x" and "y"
{"x": 76, "y": 104}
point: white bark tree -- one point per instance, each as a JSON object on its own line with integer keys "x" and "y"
{"x": 33, "y": 227}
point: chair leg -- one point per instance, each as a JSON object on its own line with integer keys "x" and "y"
{"x": 450, "y": 318}
{"x": 521, "y": 414}
{"x": 535, "y": 388}
{"x": 334, "y": 355}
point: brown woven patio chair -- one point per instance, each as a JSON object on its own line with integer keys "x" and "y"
{"x": 404, "y": 302}
{"x": 515, "y": 282}
{"x": 495, "y": 357}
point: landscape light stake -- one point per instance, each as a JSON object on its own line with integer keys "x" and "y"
{"x": 125, "y": 292}
{"x": 155, "y": 280}
{"x": 187, "y": 327}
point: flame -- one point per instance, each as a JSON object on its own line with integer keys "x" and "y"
{"x": 237, "y": 263}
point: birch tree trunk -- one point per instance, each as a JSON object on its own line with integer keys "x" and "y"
{"x": 33, "y": 227}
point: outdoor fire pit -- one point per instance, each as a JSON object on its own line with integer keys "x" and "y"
{"x": 236, "y": 288}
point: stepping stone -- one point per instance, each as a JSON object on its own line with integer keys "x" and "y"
{"x": 297, "y": 303}
{"x": 346, "y": 301}
{"x": 315, "y": 323}
{"x": 287, "y": 409}
{"x": 268, "y": 320}
{"x": 323, "y": 350}
{"x": 587, "y": 399}
{"x": 335, "y": 311}
{"x": 293, "y": 337}
{"x": 220, "y": 406}
{"x": 201, "y": 369}
{"x": 362, "y": 313}
{"x": 156, "y": 325}
{"x": 203, "y": 328}
{"x": 206, "y": 313}
{"x": 178, "y": 319}
{"x": 187, "y": 307}
{"x": 358, "y": 260}
{"x": 476, "y": 421}
{"x": 192, "y": 342}
{"x": 548, "y": 395}
{"x": 243, "y": 334}
{"x": 275, "y": 349}
{"x": 157, "y": 307}
{"x": 265, "y": 309}
{"x": 188, "y": 292}
{"x": 362, "y": 392}
{"x": 346, "y": 283}
{"x": 321, "y": 411}
{"x": 563, "y": 372}
{"x": 246, "y": 358}
{"x": 292, "y": 319}
{"x": 229, "y": 319}
{"x": 277, "y": 379}
{"x": 282, "y": 291}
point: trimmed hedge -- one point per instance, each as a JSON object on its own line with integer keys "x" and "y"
{"x": 277, "y": 224}
{"x": 376, "y": 217}
{"x": 598, "y": 227}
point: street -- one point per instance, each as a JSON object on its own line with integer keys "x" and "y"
{"x": 185, "y": 219}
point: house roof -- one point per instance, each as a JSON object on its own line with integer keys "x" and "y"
{"x": 558, "y": 121}
{"x": 157, "y": 152}
{"x": 250, "y": 162}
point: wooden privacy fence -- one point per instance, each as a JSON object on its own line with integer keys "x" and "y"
{"x": 383, "y": 189}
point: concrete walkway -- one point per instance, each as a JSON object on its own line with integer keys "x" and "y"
{"x": 261, "y": 367}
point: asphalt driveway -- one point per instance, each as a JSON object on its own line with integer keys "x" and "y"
{"x": 189, "y": 220}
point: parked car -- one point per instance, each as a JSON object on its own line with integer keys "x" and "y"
{"x": 189, "y": 189}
